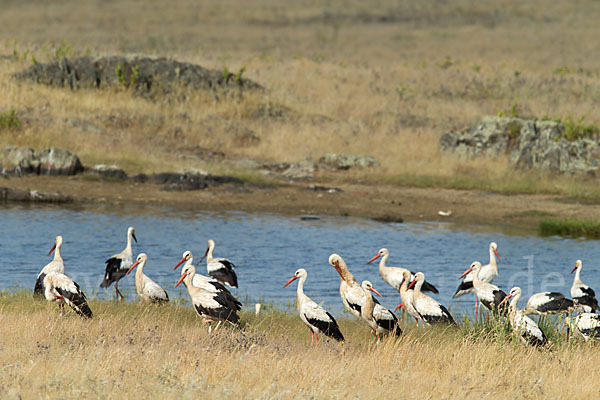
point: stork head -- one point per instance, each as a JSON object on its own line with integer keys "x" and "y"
{"x": 381, "y": 253}
{"x": 475, "y": 266}
{"x": 514, "y": 292}
{"x": 366, "y": 285}
{"x": 578, "y": 265}
{"x": 419, "y": 277}
{"x": 211, "y": 246}
{"x": 188, "y": 270}
{"x": 141, "y": 259}
{"x": 337, "y": 262}
{"x": 187, "y": 255}
{"x": 58, "y": 241}
{"x": 131, "y": 232}
{"x": 300, "y": 274}
{"x": 405, "y": 277}
{"x": 494, "y": 249}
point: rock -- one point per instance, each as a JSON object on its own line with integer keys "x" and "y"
{"x": 347, "y": 161}
{"x": 52, "y": 161}
{"x": 317, "y": 188}
{"x": 55, "y": 161}
{"x": 108, "y": 171}
{"x": 387, "y": 218}
{"x": 173, "y": 181}
{"x": 304, "y": 169}
{"x": 144, "y": 75}
{"x": 8, "y": 194}
{"x": 530, "y": 144}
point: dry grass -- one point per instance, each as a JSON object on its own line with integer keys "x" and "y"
{"x": 383, "y": 78}
{"x": 138, "y": 351}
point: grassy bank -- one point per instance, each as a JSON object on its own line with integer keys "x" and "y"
{"x": 147, "y": 351}
{"x": 570, "y": 227}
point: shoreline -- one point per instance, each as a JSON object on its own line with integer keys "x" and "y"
{"x": 383, "y": 202}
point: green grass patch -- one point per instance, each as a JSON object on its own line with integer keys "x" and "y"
{"x": 571, "y": 227}
{"x": 529, "y": 214}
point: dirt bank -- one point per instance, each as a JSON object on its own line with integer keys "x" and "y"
{"x": 388, "y": 202}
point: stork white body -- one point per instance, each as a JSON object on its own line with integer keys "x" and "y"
{"x": 587, "y": 324}
{"x": 147, "y": 289}
{"x": 430, "y": 310}
{"x": 393, "y": 275}
{"x": 313, "y": 315}
{"x": 582, "y": 294}
{"x": 547, "y": 303}
{"x": 380, "y": 319}
{"x": 488, "y": 294}
{"x": 209, "y": 284}
{"x": 118, "y": 264}
{"x": 221, "y": 269}
{"x": 407, "y": 298}
{"x": 208, "y": 305}
{"x": 528, "y": 331}
{"x": 62, "y": 289}
{"x": 487, "y": 273}
{"x": 56, "y": 265}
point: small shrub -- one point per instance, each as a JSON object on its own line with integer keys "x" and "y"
{"x": 574, "y": 130}
{"x": 9, "y": 119}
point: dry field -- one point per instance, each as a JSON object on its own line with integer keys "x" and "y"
{"x": 139, "y": 351}
{"x": 384, "y": 78}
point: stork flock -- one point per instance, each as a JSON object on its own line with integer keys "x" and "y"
{"x": 213, "y": 302}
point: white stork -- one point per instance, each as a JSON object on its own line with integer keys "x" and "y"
{"x": 209, "y": 284}
{"x": 487, "y": 273}
{"x": 62, "y": 289}
{"x": 529, "y": 332}
{"x": 587, "y": 324}
{"x": 146, "y": 288}
{"x": 56, "y": 265}
{"x": 406, "y": 295}
{"x": 548, "y": 303}
{"x": 429, "y": 309}
{"x": 488, "y": 294}
{"x": 380, "y": 319}
{"x": 118, "y": 265}
{"x": 209, "y": 306}
{"x": 221, "y": 269}
{"x": 582, "y": 293}
{"x": 394, "y": 275}
{"x": 312, "y": 314}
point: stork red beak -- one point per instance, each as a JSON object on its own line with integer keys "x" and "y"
{"x": 399, "y": 306}
{"x": 339, "y": 270}
{"x": 132, "y": 267}
{"x": 497, "y": 256}
{"x": 180, "y": 280}
{"x": 133, "y": 236}
{"x": 291, "y": 280}
{"x": 54, "y": 247}
{"x": 410, "y": 285}
{"x": 466, "y": 273}
{"x": 402, "y": 283}
{"x": 179, "y": 263}
{"x": 375, "y": 291}
{"x": 373, "y": 259}
{"x": 505, "y": 300}
{"x": 205, "y": 253}
{"x": 574, "y": 268}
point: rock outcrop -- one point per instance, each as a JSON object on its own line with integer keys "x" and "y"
{"x": 144, "y": 74}
{"x": 23, "y": 160}
{"x": 529, "y": 144}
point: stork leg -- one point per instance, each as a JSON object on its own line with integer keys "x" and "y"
{"x": 119, "y": 294}
{"x": 317, "y": 337}
{"x": 61, "y": 306}
{"x": 218, "y": 324}
{"x": 378, "y": 338}
{"x": 476, "y": 307}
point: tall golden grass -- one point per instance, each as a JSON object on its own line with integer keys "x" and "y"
{"x": 383, "y": 78}
{"x": 136, "y": 350}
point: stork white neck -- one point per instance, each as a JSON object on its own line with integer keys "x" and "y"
{"x": 209, "y": 254}
{"x": 576, "y": 280}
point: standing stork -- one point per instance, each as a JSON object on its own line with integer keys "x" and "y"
{"x": 406, "y": 295}
{"x": 62, "y": 289}
{"x": 146, "y": 288}
{"x": 56, "y": 265}
{"x": 582, "y": 293}
{"x": 221, "y": 269}
{"x": 209, "y": 306}
{"x": 529, "y": 332}
{"x": 118, "y": 265}
{"x": 312, "y": 314}
{"x": 394, "y": 275}
{"x": 587, "y": 324}
{"x": 380, "y": 319}
{"x": 429, "y": 309}
{"x": 489, "y": 295}
{"x": 211, "y": 285}
{"x": 487, "y": 273}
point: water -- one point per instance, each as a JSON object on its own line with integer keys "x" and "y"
{"x": 268, "y": 248}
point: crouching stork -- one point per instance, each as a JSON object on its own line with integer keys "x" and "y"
{"x": 313, "y": 315}
{"x": 529, "y": 332}
{"x": 379, "y": 318}
{"x": 221, "y": 269}
{"x": 62, "y": 289}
